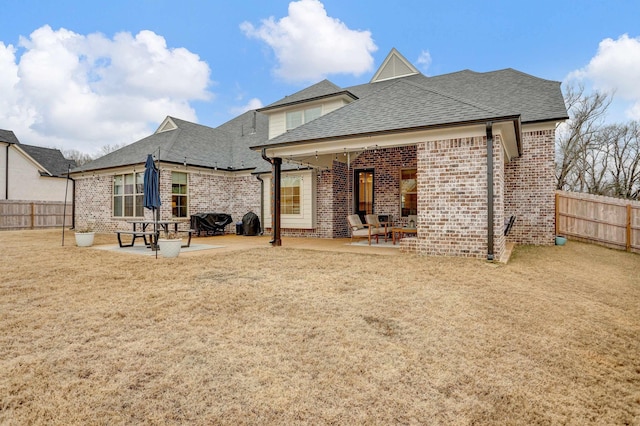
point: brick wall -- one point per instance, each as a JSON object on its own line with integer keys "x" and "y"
{"x": 529, "y": 190}
{"x": 93, "y": 203}
{"x": 232, "y": 194}
{"x": 452, "y": 198}
{"x": 334, "y": 194}
{"x": 387, "y": 164}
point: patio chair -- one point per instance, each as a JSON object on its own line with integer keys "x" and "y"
{"x": 360, "y": 230}
{"x": 374, "y": 221}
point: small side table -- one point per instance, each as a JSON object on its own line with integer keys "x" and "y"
{"x": 397, "y": 233}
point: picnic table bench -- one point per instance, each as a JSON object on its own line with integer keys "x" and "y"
{"x": 134, "y": 235}
{"x": 143, "y": 233}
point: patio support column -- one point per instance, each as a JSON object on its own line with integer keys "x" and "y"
{"x": 275, "y": 199}
{"x": 490, "y": 255}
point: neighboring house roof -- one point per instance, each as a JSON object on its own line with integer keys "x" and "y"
{"x": 51, "y": 159}
{"x": 178, "y": 141}
{"x": 8, "y": 136}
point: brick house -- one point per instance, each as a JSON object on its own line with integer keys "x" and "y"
{"x": 462, "y": 151}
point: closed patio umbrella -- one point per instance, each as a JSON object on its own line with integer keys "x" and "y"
{"x": 151, "y": 198}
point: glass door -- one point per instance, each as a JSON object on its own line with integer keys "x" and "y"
{"x": 363, "y": 192}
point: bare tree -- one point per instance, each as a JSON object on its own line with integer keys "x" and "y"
{"x": 79, "y": 157}
{"x": 82, "y": 158}
{"x": 625, "y": 162}
{"x": 578, "y": 137}
{"x": 107, "y": 149}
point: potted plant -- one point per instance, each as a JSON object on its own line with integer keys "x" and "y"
{"x": 170, "y": 245}
{"x": 84, "y": 236}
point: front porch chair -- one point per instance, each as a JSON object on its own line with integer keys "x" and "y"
{"x": 374, "y": 221}
{"x": 361, "y": 230}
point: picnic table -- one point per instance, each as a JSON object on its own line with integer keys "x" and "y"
{"x": 139, "y": 230}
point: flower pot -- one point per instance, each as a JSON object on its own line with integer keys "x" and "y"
{"x": 560, "y": 241}
{"x": 169, "y": 248}
{"x": 84, "y": 239}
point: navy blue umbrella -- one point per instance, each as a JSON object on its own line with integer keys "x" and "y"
{"x": 151, "y": 198}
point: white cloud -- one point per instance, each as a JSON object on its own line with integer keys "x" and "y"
{"x": 616, "y": 69}
{"x": 424, "y": 60}
{"x": 310, "y": 45}
{"x": 254, "y": 103}
{"x": 82, "y": 92}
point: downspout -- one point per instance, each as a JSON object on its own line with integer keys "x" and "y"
{"x": 261, "y": 204}
{"x": 73, "y": 204}
{"x": 276, "y": 164}
{"x": 6, "y": 171}
{"x": 490, "y": 254}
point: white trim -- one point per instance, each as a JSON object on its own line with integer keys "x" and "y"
{"x": 167, "y": 125}
{"x": 307, "y": 218}
{"x": 536, "y": 127}
{"x": 30, "y": 158}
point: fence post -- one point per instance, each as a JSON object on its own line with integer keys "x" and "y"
{"x": 33, "y": 215}
{"x": 628, "y": 227}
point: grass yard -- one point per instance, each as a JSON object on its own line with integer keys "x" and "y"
{"x": 292, "y": 336}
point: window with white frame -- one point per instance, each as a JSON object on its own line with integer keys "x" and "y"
{"x": 290, "y": 190}
{"x": 128, "y": 194}
{"x": 300, "y": 117}
{"x": 179, "y": 194}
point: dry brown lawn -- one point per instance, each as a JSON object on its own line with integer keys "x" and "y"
{"x": 292, "y": 336}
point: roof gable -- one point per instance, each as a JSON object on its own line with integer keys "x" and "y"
{"x": 395, "y": 65}
{"x": 225, "y": 147}
{"x": 50, "y": 159}
{"x": 8, "y": 136}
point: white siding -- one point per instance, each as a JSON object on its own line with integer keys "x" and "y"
{"x": 278, "y": 119}
{"x": 332, "y": 106}
{"x": 25, "y": 182}
{"x": 307, "y": 217}
{"x": 277, "y": 124}
{"x": 3, "y": 173}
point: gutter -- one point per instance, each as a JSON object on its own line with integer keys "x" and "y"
{"x": 276, "y": 164}
{"x": 490, "y": 254}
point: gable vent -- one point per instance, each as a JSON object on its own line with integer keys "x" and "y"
{"x": 167, "y": 125}
{"x": 394, "y": 66}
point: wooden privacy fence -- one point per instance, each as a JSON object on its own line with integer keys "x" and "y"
{"x": 611, "y": 222}
{"x": 33, "y": 214}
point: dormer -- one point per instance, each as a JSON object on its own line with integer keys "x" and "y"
{"x": 304, "y": 106}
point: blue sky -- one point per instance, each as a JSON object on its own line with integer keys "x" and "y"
{"x": 78, "y": 74}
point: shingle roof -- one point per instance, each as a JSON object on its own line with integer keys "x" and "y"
{"x": 51, "y": 159}
{"x": 418, "y": 101}
{"x": 414, "y": 101}
{"x": 8, "y": 136}
{"x": 318, "y": 90}
{"x": 225, "y": 147}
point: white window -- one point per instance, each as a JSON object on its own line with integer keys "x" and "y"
{"x": 128, "y": 193}
{"x": 290, "y": 190}
{"x": 297, "y": 200}
{"x": 300, "y": 117}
